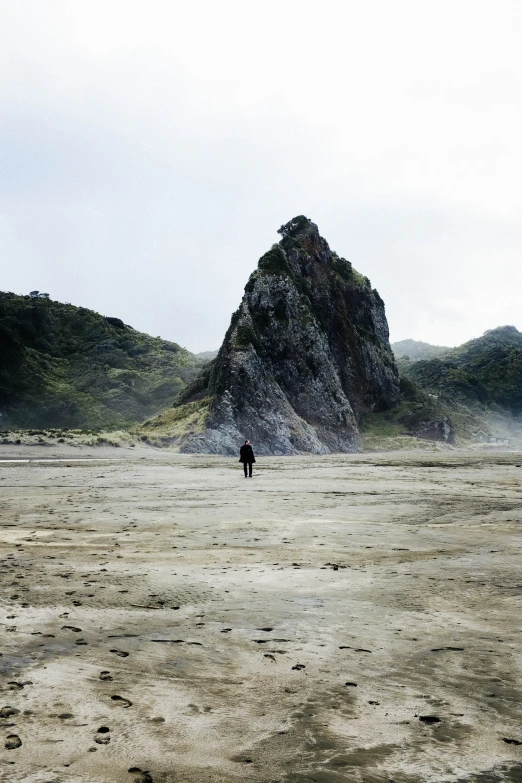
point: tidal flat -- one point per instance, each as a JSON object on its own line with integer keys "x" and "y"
{"x": 340, "y": 618}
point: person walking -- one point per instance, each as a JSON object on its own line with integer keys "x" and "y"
{"x": 246, "y": 456}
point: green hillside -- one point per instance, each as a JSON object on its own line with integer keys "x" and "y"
{"x": 477, "y": 386}
{"x": 66, "y": 366}
{"x": 486, "y": 371}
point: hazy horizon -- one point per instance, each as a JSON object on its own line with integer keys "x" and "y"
{"x": 150, "y": 153}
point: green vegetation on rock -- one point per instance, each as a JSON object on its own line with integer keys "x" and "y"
{"x": 274, "y": 261}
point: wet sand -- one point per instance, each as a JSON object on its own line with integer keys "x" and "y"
{"x": 352, "y": 618}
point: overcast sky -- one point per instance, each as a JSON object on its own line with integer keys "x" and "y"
{"x": 149, "y": 152}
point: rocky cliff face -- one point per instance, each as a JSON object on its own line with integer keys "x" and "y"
{"x": 306, "y": 354}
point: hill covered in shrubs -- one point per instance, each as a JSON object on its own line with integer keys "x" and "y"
{"x": 486, "y": 371}
{"x": 67, "y": 366}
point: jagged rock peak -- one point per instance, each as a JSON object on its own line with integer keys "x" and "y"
{"x": 306, "y": 355}
{"x": 301, "y": 229}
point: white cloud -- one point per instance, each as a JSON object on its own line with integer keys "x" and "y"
{"x": 151, "y": 150}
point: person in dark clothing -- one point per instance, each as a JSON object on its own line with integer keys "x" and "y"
{"x": 246, "y": 456}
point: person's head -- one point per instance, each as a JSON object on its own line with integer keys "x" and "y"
{"x": 247, "y": 443}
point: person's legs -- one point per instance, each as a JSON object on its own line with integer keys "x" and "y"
{"x": 245, "y": 468}
{"x": 250, "y": 469}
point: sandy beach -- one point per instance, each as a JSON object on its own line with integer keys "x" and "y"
{"x": 341, "y": 618}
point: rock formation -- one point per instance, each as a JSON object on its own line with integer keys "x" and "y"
{"x": 439, "y": 429}
{"x": 305, "y": 356}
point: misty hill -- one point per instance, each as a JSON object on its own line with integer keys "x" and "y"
{"x": 305, "y": 356}
{"x": 66, "y": 366}
{"x": 486, "y": 371}
{"x": 206, "y": 355}
{"x": 416, "y": 349}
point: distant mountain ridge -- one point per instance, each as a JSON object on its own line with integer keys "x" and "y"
{"x": 66, "y": 366}
{"x": 416, "y": 349}
{"x": 207, "y": 355}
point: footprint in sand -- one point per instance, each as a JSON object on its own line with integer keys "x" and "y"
{"x": 12, "y": 742}
{"x": 106, "y": 676}
{"x": 71, "y": 628}
{"x": 121, "y": 701}
{"x": 101, "y": 737}
{"x": 121, "y": 653}
{"x": 8, "y": 712}
{"x": 140, "y": 776}
{"x": 17, "y": 686}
